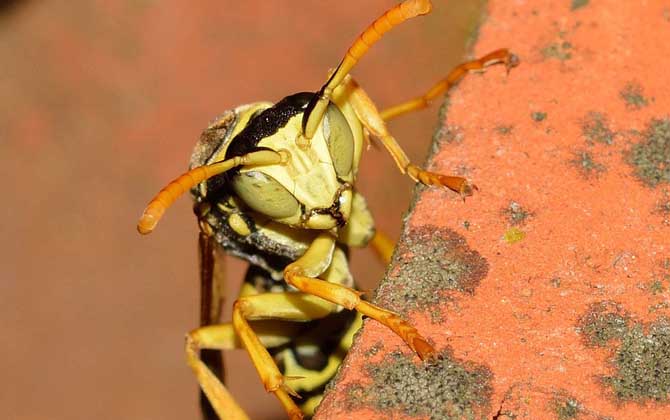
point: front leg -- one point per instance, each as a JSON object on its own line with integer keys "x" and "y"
{"x": 367, "y": 113}
{"x": 300, "y": 275}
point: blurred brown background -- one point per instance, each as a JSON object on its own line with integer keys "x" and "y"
{"x": 100, "y": 105}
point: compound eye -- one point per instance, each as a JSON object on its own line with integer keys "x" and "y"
{"x": 265, "y": 195}
{"x": 340, "y": 140}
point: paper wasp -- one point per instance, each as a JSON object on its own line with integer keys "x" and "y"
{"x": 274, "y": 184}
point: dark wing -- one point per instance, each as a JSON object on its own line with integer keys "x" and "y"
{"x": 212, "y": 276}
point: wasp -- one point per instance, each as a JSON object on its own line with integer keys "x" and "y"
{"x": 274, "y": 184}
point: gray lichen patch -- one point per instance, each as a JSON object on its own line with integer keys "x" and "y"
{"x": 603, "y": 322}
{"x": 538, "y": 116}
{"x": 651, "y": 157}
{"x": 566, "y": 408}
{"x": 430, "y": 262}
{"x": 374, "y": 349}
{"x": 524, "y": 400}
{"x": 633, "y": 95}
{"x": 643, "y": 364}
{"x": 504, "y": 129}
{"x": 641, "y": 358}
{"x": 516, "y": 214}
{"x": 441, "y": 131}
{"x": 586, "y": 164}
{"x": 448, "y": 134}
{"x": 444, "y": 388}
{"x": 577, "y": 4}
{"x": 558, "y": 50}
{"x": 662, "y": 207}
{"x": 656, "y": 287}
{"x": 595, "y": 127}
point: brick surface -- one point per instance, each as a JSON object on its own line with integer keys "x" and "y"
{"x": 550, "y": 286}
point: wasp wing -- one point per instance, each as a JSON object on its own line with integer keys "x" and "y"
{"x": 212, "y": 277}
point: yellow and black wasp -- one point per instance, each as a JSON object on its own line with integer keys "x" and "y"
{"x": 274, "y": 184}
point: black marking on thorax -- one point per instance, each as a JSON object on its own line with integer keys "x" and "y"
{"x": 267, "y": 123}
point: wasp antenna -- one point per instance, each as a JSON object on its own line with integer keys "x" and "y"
{"x": 393, "y": 17}
{"x": 169, "y": 194}
{"x": 165, "y": 197}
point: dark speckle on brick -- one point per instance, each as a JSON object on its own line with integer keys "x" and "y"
{"x": 430, "y": 261}
{"x": 651, "y": 157}
{"x": 576, "y": 4}
{"x": 633, "y": 96}
{"x": 662, "y": 207}
{"x": 374, "y": 349}
{"x": 643, "y": 364}
{"x": 538, "y": 116}
{"x": 442, "y": 389}
{"x": 586, "y": 164}
{"x": 603, "y": 322}
{"x": 656, "y": 287}
{"x": 448, "y": 134}
{"x": 558, "y": 50}
{"x": 595, "y": 127}
{"x": 566, "y": 408}
{"x": 641, "y": 352}
{"x": 504, "y": 129}
{"x": 516, "y": 214}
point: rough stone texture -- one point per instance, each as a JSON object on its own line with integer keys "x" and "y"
{"x": 571, "y": 318}
{"x": 445, "y": 388}
{"x": 431, "y": 264}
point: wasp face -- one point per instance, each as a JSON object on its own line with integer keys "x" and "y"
{"x": 313, "y": 189}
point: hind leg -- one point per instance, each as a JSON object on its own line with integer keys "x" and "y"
{"x": 255, "y": 337}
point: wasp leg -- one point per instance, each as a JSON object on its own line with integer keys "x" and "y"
{"x": 222, "y": 337}
{"x": 360, "y": 231}
{"x": 213, "y": 337}
{"x": 255, "y": 337}
{"x": 502, "y": 56}
{"x": 393, "y": 17}
{"x": 286, "y": 306}
{"x": 301, "y": 273}
{"x": 367, "y": 113}
{"x": 383, "y": 246}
